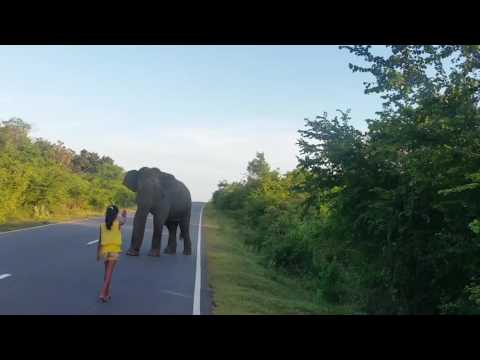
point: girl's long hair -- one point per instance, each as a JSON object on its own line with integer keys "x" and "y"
{"x": 110, "y": 216}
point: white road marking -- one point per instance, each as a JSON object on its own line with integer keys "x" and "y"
{"x": 176, "y": 294}
{"x": 198, "y": 273}
{"x": 4, "y": 276}
{"x": 92, "y": 242}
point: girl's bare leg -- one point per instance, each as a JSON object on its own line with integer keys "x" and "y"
{"x": 105, "y": 273}
{"x": 103, "y": 291}
{"x": 107, "y": 278}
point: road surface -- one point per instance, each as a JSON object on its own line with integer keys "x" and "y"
{"x": 53, "y": 270}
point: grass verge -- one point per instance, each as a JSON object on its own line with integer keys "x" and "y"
{"x": 20, "y": 223}
{"x": 25, "y": 222}
{"x": 243, "y": 286}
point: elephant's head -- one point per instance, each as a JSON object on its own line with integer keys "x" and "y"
{"x": 131, "y": 180}
{"x": 146, "y": 179}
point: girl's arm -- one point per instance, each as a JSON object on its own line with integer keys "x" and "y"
{"x": 122, "y": 219}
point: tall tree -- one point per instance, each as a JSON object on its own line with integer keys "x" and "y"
{"x": 403, "y": 183}
{"x": 258, "y": 167}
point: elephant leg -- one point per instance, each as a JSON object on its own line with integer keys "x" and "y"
{"x": 185, "y": 230}
{"x": 172, "y": 238}
{"x": 157, "y": 235}
{"x": 139, "y": 222}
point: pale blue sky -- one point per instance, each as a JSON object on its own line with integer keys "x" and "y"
{"x": 199, "y": 112}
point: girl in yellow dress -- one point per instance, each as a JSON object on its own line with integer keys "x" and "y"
{"x": 110, "y": 246}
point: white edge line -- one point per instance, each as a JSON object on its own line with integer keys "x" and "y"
{"x": 4, "y": 276}
{"x": 92, "y": 242}
{"x": 198, "y": 272}
{"x": 43, "y": 226}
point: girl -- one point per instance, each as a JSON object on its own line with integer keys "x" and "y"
{"x": 110, "y": 246}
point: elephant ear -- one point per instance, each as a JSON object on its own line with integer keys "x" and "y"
{"x": 131, "y": 180}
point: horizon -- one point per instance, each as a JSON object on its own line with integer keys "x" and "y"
{"x": 197, "y": 112}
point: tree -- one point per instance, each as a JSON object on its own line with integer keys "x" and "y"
{"x": 414, "y": 73}
{"x": 14, "y": 132}
{"x": 394, "y": 180}
{"x": 258, "y": 167}
{"x": 86, "y": 162}
{"x": 38, "y": 178}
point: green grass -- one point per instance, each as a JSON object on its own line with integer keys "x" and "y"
{"x": 242, "y": 285}
{"x": 21, "y": 222}
{"x": 25, "y": 222}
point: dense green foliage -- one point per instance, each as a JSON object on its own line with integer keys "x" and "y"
{"x": 39, "y": 179}
{"x": 388, "y": 219}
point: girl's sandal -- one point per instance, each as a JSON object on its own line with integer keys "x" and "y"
{"x": 103, "y": 299}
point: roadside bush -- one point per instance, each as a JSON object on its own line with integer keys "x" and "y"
{"x": 39, "y": 179}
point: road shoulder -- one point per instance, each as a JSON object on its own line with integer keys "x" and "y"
{"x": 241, "y": 282}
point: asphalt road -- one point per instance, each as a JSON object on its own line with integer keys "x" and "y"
{"x": 53, "y": 270}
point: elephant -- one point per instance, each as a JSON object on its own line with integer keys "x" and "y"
{"x": 170, "y": 203}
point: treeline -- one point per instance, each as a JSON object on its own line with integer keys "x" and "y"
{"x": 386, "y": 219}
{"x": 39, "y": 179}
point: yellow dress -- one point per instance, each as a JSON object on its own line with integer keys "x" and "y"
{"x": 110, "y": 241}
